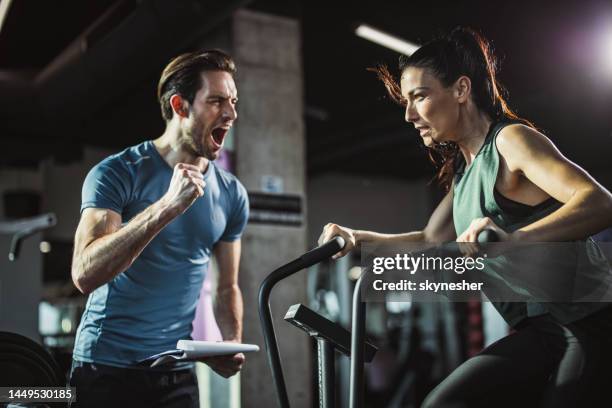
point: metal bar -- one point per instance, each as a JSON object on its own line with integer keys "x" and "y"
{"x": 327, "y": 374}
{"x": 34, "y": 224}
{"x": 265, "y": 315}
{"x": 357, "y": 348}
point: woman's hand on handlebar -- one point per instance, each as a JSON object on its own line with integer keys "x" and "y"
{"x": 469, "y": 238}
{"x": 477, "y": 226}
{"x": 331, "y": 230}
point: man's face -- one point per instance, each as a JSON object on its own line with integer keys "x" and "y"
{"x": 211, "y": 114}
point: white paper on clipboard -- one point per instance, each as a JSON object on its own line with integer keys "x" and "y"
{"x": 189, "y": 350}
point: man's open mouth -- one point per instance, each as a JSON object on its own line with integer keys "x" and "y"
{"x": 218, "y": 135}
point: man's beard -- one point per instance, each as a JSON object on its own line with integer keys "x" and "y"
{"x": 197, "y": 146}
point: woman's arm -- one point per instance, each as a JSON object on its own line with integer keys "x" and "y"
{"x": 439, "y": 228}
{"x": 587, "y": 206}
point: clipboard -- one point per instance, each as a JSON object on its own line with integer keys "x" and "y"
{"x": 191, "y": 350}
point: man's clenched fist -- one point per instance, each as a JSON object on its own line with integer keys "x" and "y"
{"x": 186, "y": 186}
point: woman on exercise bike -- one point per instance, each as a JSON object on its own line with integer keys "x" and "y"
{"x": 501, "y": 173}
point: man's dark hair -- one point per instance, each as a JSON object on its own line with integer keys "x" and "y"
{"x": 182, "y": 76}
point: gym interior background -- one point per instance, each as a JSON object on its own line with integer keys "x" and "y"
{"x": 315, "y": 130}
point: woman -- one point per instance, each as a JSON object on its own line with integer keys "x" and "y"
{"x": 500, "y": 173}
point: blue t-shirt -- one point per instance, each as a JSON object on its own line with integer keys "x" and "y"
{"x": 147, "y": 308}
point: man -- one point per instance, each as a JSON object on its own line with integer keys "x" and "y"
{"x": 150, "y": 218}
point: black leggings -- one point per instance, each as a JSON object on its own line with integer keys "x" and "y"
{"x": 542, "y": 364}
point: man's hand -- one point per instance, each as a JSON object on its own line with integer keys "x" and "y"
{"x": 186, "y": 186}
{"x": 225, "y": 366}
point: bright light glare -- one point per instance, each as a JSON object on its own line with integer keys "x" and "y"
{"x": 45, "y": 247}
{"x": 354, "y": 273}
{"x": 386, "y": 40}
{"x": 4, "y": 8}
{"x": 607, "y": 49}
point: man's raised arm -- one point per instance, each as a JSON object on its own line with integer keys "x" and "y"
{"x": 103, "y": 248}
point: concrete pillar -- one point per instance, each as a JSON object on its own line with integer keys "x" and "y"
{"x": 270, "y": 141}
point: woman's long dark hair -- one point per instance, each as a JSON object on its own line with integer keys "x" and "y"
{"x": 462, "y": 52}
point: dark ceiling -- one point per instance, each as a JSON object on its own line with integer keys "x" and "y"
{"x": 550, "y": 65}
{"x": 35, "y": 32}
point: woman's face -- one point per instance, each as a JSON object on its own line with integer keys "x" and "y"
{"x": 430, "y": 107}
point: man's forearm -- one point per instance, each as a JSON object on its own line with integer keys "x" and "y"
{"x": 228, "y": 312}
{"x": 112, "y": 254}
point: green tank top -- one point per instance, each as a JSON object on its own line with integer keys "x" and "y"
{"x": 474, "y": 197}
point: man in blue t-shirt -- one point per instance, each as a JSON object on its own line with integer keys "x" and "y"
{"x": 151, "y": 217}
